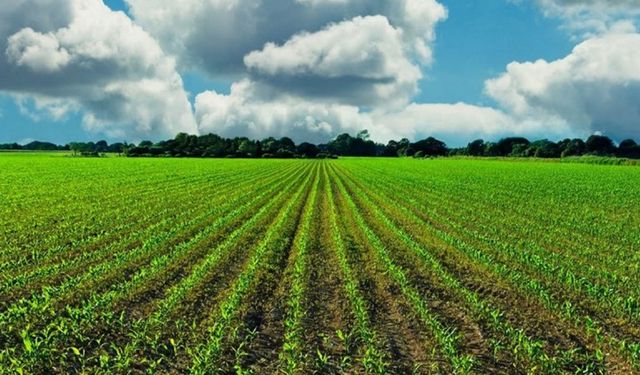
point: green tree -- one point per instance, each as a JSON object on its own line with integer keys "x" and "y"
{"x": 248, "y": 148}
{"x": 476, "y": 148}
{"x": 431, "y": 147}
{"x": 600, "y": 145}
{"x": 629, "y": 149}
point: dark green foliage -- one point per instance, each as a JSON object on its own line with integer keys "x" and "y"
{"x": 600, "y": 145}
{"x": 491, "y": 149}
{"x": 629, "y": 149}
{"x": 572, "y": 147}
{"x": 346, "y": 145}
{"x": 391, "y": 149}
{"x": 544, "y": 149}
{"x": 307, "y": 150}
{"x": 403, "y": 147}
{"x": 34, "y": 146}
{"x": 476, "y": 148}
{"x": 505, "y": 146}
{"x": 215, "y": 146}
{"x": 431, "y": 147}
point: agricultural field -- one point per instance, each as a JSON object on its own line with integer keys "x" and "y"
{"x": 395, "y": 266}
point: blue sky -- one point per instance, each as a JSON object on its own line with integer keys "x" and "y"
{"x": 474, "y": 44}
{"x": 479, "y": 39}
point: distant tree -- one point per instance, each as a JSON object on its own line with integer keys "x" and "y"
{"x": 216, "y": 150}
{"x": 181, "y": 140}
{"x": 362, "y": 147}
{"x": 476, "y": 148}
{"x": 545, "y": 149}
{"x": 505, "y": 145}
{"x": 491, "y": 149}
{"x": 431, "y": 147}
{"x": 287, "y": 143}
{"x": 10, "y": 146}
{"x": 575, "y": 147}
{"x": 520, "y": 150}
{"x": 248, "y": 148}
{"x": 307, "y": 150}
{"x": 270, "y": 145}
{"x": 102, "y": 146}
{"x": 629, "y": 149}
{"x": 341, "y": 145}
{"x": 600, "y": 145}
{"x": 364, "y": 135}
{"x": 458, "y": 151}
{"x": 212, "y": 145}
{"x": 284, "y": 153}
{"x": 41, "y": 146}
{"x": 75, "y": 148}
{"x": 116, "y": 147}
{"x": 409, "y": 151}
{"x": 403, "y": 145}
{"x": 391, "y": 149}
{"x": 346, "y": 145}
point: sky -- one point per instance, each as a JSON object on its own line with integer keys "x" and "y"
{"x": 128, "y": 70}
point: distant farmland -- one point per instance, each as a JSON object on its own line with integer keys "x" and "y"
{"x": 404, "y": 266}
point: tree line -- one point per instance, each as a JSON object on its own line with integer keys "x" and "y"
{"x": 211, "y": 145}
{"x": 78, "y": 148}
{"x": 215, "y": 146}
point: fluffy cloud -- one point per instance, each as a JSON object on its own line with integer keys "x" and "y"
{"x": 595, "y": 88}
{"x": 249, "y": 111}
{"x": 80, "y": 55}
{"x": 593, "y": 17}
{"x": 216, "y": 35}
{"x": 245, "y": 112}
{"x": 334, "y": 66}
{"x": 457, "y": 123}
{"x": 39, "y": 52}
{"x": 368, "y": 68}
{"x": 318, "y": 74}
{"x": 591, "y": 5}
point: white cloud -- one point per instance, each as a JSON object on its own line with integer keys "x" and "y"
{"x": 591, "y": 5}
{"x": 318, "y": 74}
{"x": 333, "y": 66}
{"x": 39, "y": 52}
{"x": 79, "y": 55}
{"x": 369, "y": 67}
{"x": 459, "y": 123}
{"x": 246, "y": 112}
{"x": 589, "y": 18}
{"x": 242, "y": 113}
{"x": 595, "y": 88}
{"x": 214, "y": 36}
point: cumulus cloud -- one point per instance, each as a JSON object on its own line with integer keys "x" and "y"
{"x": 216, "y": 35}
{"x": 79, "y": 55}
{"x": 39, "y": 52}
{"x": 589, "y": 18}
{"x": 368, "y": 68}
{"x": 595, "y": 88}
{"x": 334, "y": 66}
{"x": 592, "y": 5}
{"x": 319, "y": 73}
{"x": 457, "y": 123}
{"x": 245, "y": 112}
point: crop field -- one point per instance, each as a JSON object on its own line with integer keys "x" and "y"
{"x": 377, "y": 266}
